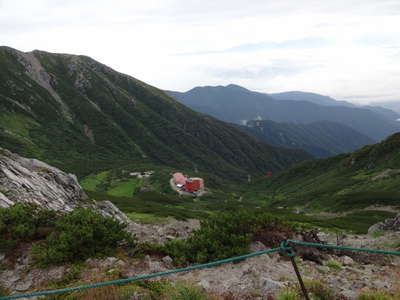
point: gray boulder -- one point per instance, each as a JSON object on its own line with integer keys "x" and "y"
{"x": 24, "y": 180}
{"x": 392, "y": 224}
{"x": 33, "y": 181}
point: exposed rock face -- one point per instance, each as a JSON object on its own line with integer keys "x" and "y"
{"x": 107, "y": 208}
{"x": 33, "y": 181}
{"x": 162, "y": 233}
{"x": 392, "y": 224}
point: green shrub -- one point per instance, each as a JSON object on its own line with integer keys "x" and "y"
{"x": 288, "y": 294}
{"x": 377, "y": 234}
{"x": 316, "y": 290}
{"x": 334, "y": 265}
{"x": 225, "y": 235}
{"x": 3, "y": 292}
{"x": 23, "y": 222}
{"x": 78, "y": 235}
{"x": 374, "y": 295}
{"x": 319, "y": 291}
{"x": 189, "y": 292}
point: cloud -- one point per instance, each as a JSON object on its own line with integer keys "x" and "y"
{"x": 309, "y": 42}
{"x": 338, "y": 48}
{"x": 379, "y": 39}
{"x": 275, "y": 69}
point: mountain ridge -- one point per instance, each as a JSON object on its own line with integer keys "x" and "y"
{"x": 79, "y": 114}
{"x": 320, "y": 138}
{"x": 239, "y": 105}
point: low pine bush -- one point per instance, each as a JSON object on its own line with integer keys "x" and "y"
{"x": 23, "y": 222}
{"x": 78, "y": 235}
{"x": 227, "y": 234}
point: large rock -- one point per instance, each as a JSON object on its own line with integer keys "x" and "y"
{"x": 33, "y": 181}
{"x": 107, "y": 208}
{"x": 392, "y": 224}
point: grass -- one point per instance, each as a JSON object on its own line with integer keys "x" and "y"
{"x": 378, "y": 234}
{"x": 125, "y": 188}
{"x": 17, "y": 124}
{"x": 147, "y": 218}
{"x": 3, "y": 292}
{"x": 317, "y": 290}
{"x": 91, "y": 183}
{"x": 334, "y": 265}
{"x": 376, "y": 295}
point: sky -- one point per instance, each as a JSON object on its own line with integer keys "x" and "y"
{"x": 347, "y": 49}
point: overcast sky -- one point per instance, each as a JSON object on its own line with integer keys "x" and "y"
{"x": 347, "y": 49}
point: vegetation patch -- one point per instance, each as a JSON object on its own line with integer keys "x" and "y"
{"x": 316, "y": 289}
{"x": 79, "y": 235}
{"x": 226, "y": 235}
{"x": 23, "y": 222}
{"x": 334, "y": 265}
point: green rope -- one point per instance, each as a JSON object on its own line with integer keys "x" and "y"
{"x": 288, "y": 242}
{"x": 284, "y": 248}
{"x": 94, "y": 285}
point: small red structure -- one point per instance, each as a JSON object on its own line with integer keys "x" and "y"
{"x": 193, "y": 185}
{"x": 179, "y": 178}
{"x": 269, "y": 173}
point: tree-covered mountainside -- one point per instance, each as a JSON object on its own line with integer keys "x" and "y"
{"x": 321, "y": 138}
{"x": 369, "y": 176}
{"x": 83, "y": 117}
{"x": 310, "y": 97}
{"x": 235, "y": 104}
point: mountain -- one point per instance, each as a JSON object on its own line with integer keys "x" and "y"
{"x": 236, "y": 104}
{"x": 82, "y": 116}
{"x": 310, "y": 97}
{"x": 369, "y": 176}
{"x": 392, "y": 105}
{"x": 320, "y": 138}
{"x": 328, "y": 101}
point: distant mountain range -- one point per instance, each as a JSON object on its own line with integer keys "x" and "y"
{"x": 385, "y": 111}
{"x": 80, "y": 115}
{"x": 320, "y": 138}
{"x": 236, "y": 104}
{"x": 310, "y": 97}
{"x": 393, "y": 105}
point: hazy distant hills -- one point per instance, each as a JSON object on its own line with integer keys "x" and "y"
{"x": 320, "y": 138}
{"x": 385, "y": 111}
{"x": 393, "y": 105}
{"x": 82, "y": 116}
{"x": 310, "y": 97}
{"x": 236, "y": 104}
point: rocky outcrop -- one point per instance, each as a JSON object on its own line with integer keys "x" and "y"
{"x": 108, "y": 209}
{"x": 33, "y": 181}
{"x": 387, "y": 174}
{"x": 392, "y": 224}
{"x": 161, "y": 233}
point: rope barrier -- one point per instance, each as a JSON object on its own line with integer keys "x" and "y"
{"x": 119, "y": 281}
{"x": 283, "y": 248}
{"x": 288, "y": 242}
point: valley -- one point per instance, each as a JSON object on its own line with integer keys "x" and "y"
{"x": 295, "y": 169}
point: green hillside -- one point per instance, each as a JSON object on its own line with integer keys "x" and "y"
{"x": 84, "y": 117}
{"x": 369, "y": 176}
{"x": 321, "y": 139}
